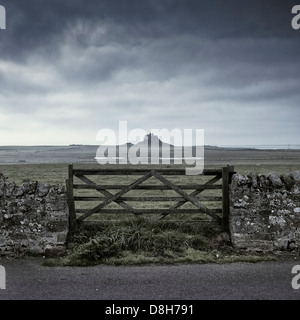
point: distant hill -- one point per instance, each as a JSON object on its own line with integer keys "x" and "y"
{"x": 150, "y": 146}
{"x": 151, "y": 139}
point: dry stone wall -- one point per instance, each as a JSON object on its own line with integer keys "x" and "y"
{"x": 264, "y": 214}
{"x": 265, "y": 211}
{"x": 33, "y": 218}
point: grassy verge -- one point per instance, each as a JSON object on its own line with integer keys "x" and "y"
{"x": 139, "y": 242}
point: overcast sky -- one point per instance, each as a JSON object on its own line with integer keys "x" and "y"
{"x": 70, "y": 68}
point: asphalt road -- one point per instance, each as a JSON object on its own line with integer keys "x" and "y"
{"x": 28, "y": 279}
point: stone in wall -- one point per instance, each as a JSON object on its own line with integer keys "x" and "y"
{"x": 33, "y": 218}
{"x": 265, "y": 211}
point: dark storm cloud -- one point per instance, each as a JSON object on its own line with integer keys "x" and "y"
{"x": 146, "y": 60}
{"x": 35, "y": 24}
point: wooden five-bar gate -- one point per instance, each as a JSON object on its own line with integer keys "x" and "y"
{"x": 108, "y": 196}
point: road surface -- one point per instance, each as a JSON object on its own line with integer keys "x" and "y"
{"x": 28, "y": 279}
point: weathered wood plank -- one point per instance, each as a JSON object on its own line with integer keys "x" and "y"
{"x": 117, "y": 195}
{"x": 145, "y": 211}
{"x": 119, "y": 198}
{"x": 96, "y": 222}
{"x": 231, "y": 172}
{"x": 107, "y": 194}
{"x": 146, "y": 198}
{"x": 192, "y": 199}
{"x": 140, "y": 171}
{"x": 194, "y": 194}
{"x": 70, "y": 198}
{"x": 148, "y": 187}
{"x": 225, "y": 196}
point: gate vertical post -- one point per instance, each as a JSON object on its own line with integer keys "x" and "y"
{"x": 225, "y": 198}
{"x": 70, "y": 195}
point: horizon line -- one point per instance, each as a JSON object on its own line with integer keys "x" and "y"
{"x": 243, "y": 146}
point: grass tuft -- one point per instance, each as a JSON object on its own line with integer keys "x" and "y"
{"x": 140, "y": 241}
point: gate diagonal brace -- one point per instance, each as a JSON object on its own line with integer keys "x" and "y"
{"x": 185, "y": 195}
{"x": 107, "y": 194}
{"x": 116, "y": 196}
{"x": 193, "y": 194}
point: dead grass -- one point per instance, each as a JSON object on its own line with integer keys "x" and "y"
{"x": 140, "y": 241}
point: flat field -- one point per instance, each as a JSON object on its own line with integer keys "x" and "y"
{"x": 49, "y": 164}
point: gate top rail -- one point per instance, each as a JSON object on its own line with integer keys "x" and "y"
{"x": 142, "y": 171}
